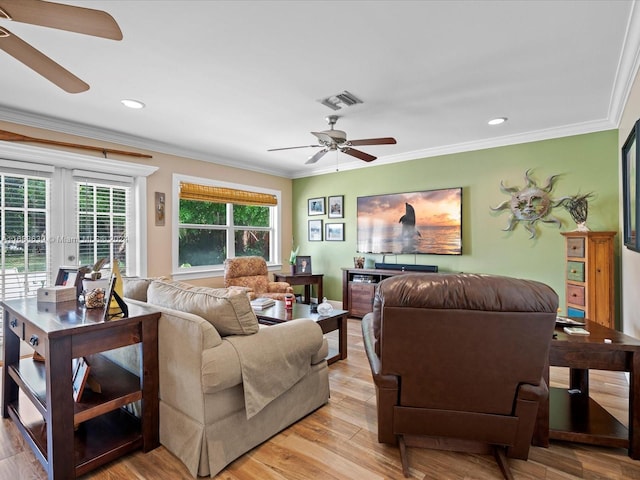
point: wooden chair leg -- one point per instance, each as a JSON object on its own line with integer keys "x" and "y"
{"x": 501, "y": 458}
{"x": 403, "y": 456}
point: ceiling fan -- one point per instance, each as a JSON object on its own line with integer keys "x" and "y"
{"x": 53, "y": 15}
{"x": 337, "y": 140}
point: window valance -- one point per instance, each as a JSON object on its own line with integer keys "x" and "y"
{"x": 206, "y": 193}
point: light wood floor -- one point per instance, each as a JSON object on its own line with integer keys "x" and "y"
{"x": 338, "y": 441}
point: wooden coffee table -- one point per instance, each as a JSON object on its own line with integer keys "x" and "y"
{"x": 337, "y": 320}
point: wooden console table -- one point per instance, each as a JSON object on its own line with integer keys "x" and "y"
{"x": 570, "y": 414}
{"x": 303, "y": 279}
{"x": 103, "y": 430}
{"x": 357, "y": 295}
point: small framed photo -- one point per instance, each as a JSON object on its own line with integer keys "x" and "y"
{"x": 316, "y": 206}
{"x": 336, "y": 206}
{"x": 334, "y": 232}
{"x": 303, "y": 265}
{"x": 315, "y": 230}
{"x": 71, "y": 277}
{"x": 81, "y": 370}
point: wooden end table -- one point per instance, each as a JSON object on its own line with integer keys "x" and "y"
{"x": 337, "y": 320}
{"x": 570, "y": 414}
{"x": 76, "y": 437}
{"x": 303, "y": 279}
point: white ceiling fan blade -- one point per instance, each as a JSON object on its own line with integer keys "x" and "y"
{"x": 314, "y": 158}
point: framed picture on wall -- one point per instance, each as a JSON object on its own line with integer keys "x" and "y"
{"x": 315, "y": 230}
{"x": 336, "y": 209}
{"x": 334, "y": 232}
{"x": 316, "y": 206}
{"x": 630, "y": 182}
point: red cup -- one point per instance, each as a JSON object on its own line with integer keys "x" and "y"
{"x": 288, "y": 302}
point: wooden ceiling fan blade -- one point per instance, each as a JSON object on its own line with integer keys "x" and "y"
{"x": 63, "y": 17}
{"x": 317, "y": 156}
{"x": 373, "y": 141}
{"x": 291, "y": 148}
{"x": 358, "y": 154}
{"x": 39, "y": 62}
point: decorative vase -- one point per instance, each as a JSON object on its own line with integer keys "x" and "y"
{"x": 293, "y": 268}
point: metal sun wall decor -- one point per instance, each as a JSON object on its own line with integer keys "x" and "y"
{"x": 530, "y": 204}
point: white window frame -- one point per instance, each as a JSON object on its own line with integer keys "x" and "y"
{"x": 205, "y": 271}
{"x": 62, "y": 166}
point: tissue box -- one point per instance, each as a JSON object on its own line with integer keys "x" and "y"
{"x": 57, "y": 294}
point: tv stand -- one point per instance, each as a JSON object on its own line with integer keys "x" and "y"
{"x": 359, "y": 288}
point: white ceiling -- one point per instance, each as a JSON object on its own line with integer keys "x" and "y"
{"x": 224, "y": 81}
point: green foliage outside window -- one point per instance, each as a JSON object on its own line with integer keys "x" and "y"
{"x": 203, "y": 232}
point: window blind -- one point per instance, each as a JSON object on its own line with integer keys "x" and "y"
{"x": 206, "y": 193}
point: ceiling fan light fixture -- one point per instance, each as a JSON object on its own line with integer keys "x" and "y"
{"x": 130, "y": 103}
{"x": 497, "y": 120}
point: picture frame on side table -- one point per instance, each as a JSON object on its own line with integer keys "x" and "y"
{"x": 303, "y": 265}
{"x": 315, "y": 230}
{"x": 630, "y": 184}
{"x": 71, "y": 276}
{"x": 334, "y": 232}
{"x": 336, "y": 208}
{"x": 315, "y": 206}
{"x": 81, "y": 371}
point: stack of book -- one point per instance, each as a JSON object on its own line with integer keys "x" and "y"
{"x": 262, "y": 303}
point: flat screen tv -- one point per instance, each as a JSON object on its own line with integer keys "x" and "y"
{"x": 426, "y": 222}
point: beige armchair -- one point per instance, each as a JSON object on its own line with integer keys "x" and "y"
{"x": 458, "y": 361}
{"x": 251, "y": 272}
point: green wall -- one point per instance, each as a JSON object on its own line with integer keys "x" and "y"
{"x": 585, "y": 163}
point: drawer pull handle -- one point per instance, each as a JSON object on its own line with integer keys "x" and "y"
{"x": 574, "y": 271}
{"x": 33, "y": 341}
{"x": 14, "y": 323}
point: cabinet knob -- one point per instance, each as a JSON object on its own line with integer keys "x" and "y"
{"x": 14, "y": 323}
{"x": 33, "y": 341}
{"x": 574, "y": 271}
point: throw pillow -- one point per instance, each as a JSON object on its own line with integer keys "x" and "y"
{"x": 228, "y": 310}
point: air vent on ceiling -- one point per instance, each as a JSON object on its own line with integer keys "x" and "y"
{"x": 344, "y": 99}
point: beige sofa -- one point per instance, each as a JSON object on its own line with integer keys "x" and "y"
{"x": 226, "y": 383}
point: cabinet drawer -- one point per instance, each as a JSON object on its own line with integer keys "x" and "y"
{"x": 575, "y": 247}
{"x": 575, "y": 294}
{"x": 361, "y": 299}
{"x": 575, "y": 271}
{"x": 575, "y": 312}
{"x": 16, "y": 325}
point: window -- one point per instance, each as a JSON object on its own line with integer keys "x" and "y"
{"x": 24, "y": 217}
{"x": 102, "y": 216}
{"x": 216, "y": 221}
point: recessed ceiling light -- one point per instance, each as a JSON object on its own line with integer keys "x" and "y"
{"x": 497, "y": 121}
{"x": 132, "y": 103}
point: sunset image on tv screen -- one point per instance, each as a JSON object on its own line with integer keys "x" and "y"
{"x": 427, "y": 222}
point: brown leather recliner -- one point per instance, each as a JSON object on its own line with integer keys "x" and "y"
{"x": 458, "y": 360}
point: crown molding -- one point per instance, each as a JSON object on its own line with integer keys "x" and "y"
{"x": 628, "y": 65}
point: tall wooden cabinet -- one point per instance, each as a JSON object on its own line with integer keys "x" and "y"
{"x": 590, "y": 276}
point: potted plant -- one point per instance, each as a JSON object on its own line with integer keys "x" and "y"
{"x": 292, "y": 259}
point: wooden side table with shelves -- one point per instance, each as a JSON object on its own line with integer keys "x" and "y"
{"x": 590, "y": 276}
{"x": 72, "y": 438}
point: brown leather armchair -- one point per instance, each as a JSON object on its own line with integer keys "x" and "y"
{"x": 252, "y": 272}
{"x": 458, "y": 360}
